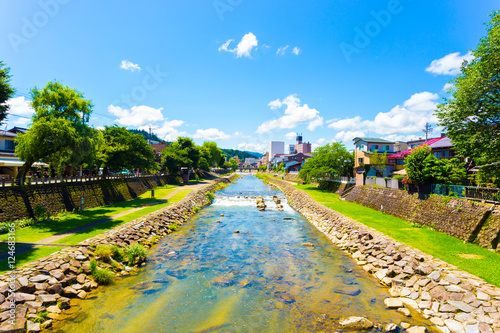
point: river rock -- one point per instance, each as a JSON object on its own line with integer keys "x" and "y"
{"x": 70, "y": 292}
{"x": 393, "y": 303}
{"x": 33, "y": 327}
{"x": 18, "y": 327}
{"x": 47, "y": 299}
{"x": 461, "y": 306}
{"x": 416, "y": 329}
{"x": 39, "y": 278}
{"x": 454, "y": 326}
{"x": 355, "y": 323}
{"x": 391, "y": 327}
{"x": 348, "y": 290}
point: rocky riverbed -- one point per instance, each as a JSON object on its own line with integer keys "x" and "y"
{"x": 36, "y": 294}
{"x": 451, "y": 299}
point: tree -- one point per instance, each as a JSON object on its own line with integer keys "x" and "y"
{"x": 379, "y": 162}
{"x": 232, "y": 164}
{"x": 181, "y": 153}
{"x": 471, "y": 116}
{"x": 327, "y": 162}
{"x": 6, "y": 91}
{"x": 122, "y": 149}
{"x": 212, "y": 153}
{"x": 415, "y": 164}
{"x": 65, "y": 109}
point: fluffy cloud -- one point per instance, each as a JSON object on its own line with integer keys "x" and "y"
{"x": 168, "y": 130}
{"x": 424, "y": 101}
{"x": 282, "y": 50}
{"x": 211, "y": 134}
{"x": 255, "y": 147}
{"x": 448, "y": 86}
{"x": 347, "y": 136}
{"x": 290, "y": 135}
{"x": 449, "y": 64}
{"x": 137, "y": 115}
{"x": 401, "y": 120}
{"x": 296, "y": 50}
{"x": 295, "y": 114}
{"x": 129, "y": 66}
{"x": 19, "y": 106}
{"x": 244, "y": 47}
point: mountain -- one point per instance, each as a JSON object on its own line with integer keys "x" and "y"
{"x": 146, "y": 135}
{"x": 241, "y": 154}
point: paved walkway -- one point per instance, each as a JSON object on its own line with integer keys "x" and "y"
{"x": 48, "y": 241}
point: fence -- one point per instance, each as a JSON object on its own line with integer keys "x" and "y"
{"x": 483, "y": 193}
{"x": 382, "y": 182}
{"x": 443, "y": 189}
{"x": 73, "y": 179}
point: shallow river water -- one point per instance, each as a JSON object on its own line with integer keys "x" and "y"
{"x": 207, "y": 278}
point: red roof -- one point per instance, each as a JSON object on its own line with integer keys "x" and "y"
{"x": 407, "y": 152}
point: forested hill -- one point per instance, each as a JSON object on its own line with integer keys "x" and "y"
{"x": 241, "y": 154}
{"x": 145, "y": 134}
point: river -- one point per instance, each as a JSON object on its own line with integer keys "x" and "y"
{"x": 245, "y": 271}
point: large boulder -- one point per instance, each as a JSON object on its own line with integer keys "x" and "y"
{"x": 355, "y": 323}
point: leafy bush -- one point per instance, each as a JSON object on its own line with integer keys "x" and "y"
{"x": 117, "y": 253}
{"x": 210, "y": 196}
{"x": 41, "y": 213}
{"x": 172, "y": 226}
{"x": 24, "y": 222}
{"x": 104, "y": 252}
{"x": 93, "y": 266}
{"x": 135, "y": 253}
{"x": 103, "y": 275}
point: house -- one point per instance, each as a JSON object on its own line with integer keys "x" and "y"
{"x": 292, "y": 162}
{"x": 157, "y": 149}
{"x": 9, "y": 162}
{"x": 365, "y": 149}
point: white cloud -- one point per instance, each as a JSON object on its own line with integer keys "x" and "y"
{"x": 282, "y": 50}
{"x": 240, "y": 134}
{"x": 244, "y": 47}
{"x": 296, "y": 50}
{"x": 347, "y": 136}
{"x": 400, "y": 120}
{"x": 211, "y": 134}
{"x": 423, "y": 101}
{"x": 129, "y": 66}
{"x": 449, "y": 64}
{"x": 168, "y": 130}
{"x": 295, "y": 114}
{"x": 137, "y": 115}
{"x": 290, "y": 135}
{"x": 321, "y": 141}
{"x": 345, "y": 124}
{"x": 255, "y": 147}
{"x": 19, "y": 106}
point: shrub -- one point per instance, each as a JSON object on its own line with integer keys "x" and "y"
{"x": 210, "y": 196}
{"x": 135, "y": 253}
{"x": 24, "y": 222}
{"x": 93, "y": 266}
{"x": 41, "y": 317}
{"x": 103, "y": 275}
{"x": 172, "y": 226}
{"x": 41, "y": 213}
{"x": 117, "y": 253}
{"x": 104, "y": 251}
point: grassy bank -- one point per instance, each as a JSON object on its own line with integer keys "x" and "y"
{"x": 468, "y": 257}
{"x": 47, "y": 229}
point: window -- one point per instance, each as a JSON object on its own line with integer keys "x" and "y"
{"x": 400, "y": 162}
{"x": 446, "y": 153}
{"x": 374, "y": 147}
{"x": 9, "y": 144}
{"x": 386, "y": 148}
{"x": 360, "y": 160}
{"x": 438, "y": 154}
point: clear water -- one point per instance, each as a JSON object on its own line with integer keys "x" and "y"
{"x": 207, "y": 278}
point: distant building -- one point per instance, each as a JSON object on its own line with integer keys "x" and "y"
{"x": 300, "y": 147}
{"x": 276, "y": 147}
{"x": 250, "y": 161}
{"x": 291, "y": 149}
{"x": 364, "y": 150}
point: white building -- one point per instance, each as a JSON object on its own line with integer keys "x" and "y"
{"x": 250, "y": 161}
{"x": 276, "y": 147}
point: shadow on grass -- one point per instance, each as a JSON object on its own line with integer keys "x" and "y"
{"x": 29, "y": 256}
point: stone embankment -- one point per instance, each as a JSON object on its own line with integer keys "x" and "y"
{"x": 453, "y": 300}
{"x": 34, "y": 295}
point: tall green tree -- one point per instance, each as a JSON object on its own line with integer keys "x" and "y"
{"x": 471, "y": 116}
{"x": 121, "y": 149}
{"x": 415, "y": 164}
{"x": 64, "y": 108}
{"x": 181, "y": 153}
{"x": 6, "y": 90}
{"x": 327, "y": 162}
{"x": 212, "y": 153}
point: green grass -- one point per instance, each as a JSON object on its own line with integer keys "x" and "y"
{"x": 70, "y": 221}
{"x": 75, "y": 239}
{"x": 447, "y": 248}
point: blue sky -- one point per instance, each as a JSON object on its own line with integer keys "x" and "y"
{"x": 243, "y": 72}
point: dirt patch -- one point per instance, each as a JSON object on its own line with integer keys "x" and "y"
{"x": 470, "y": 256}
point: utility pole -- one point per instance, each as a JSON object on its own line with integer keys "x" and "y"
{"x": 427, "y": 130}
